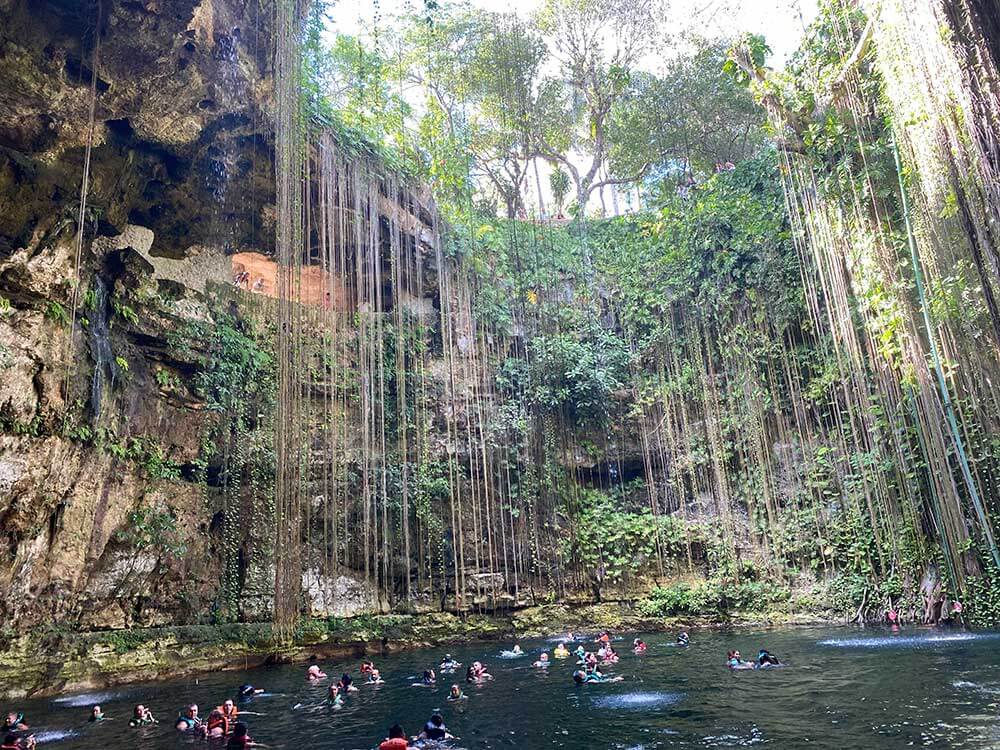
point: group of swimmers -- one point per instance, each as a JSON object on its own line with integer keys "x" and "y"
{"x": 765, "y": 660}
{"x": 15, "y": 733}
{"x": 221, "y": 726}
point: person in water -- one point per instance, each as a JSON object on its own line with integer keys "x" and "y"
{"x": 141, "y": 716}
{"x": 334, "y": 698}
{"x": 448, "y": 663}
{"x": 682, "y": 638}
{"x": 14, "y": 723}
{"x": 456, "y": 694}
{"x": 766, "y": 659}
{"x": 517, "y": 649}
{"x": 543, "y": 661}
{"x": 314, "y": 673}
{"x": 639, "y": 646}
{"x": 347, "y": 684}
{"x": 367, "y": 666}
{"x": 396, "y": 739}
{"x": 217, "y": 724}
{"x": 96, "y": 714}
{"x": 428, "y": 680}
{"x": 584, "y": 678}
{"x": 229, "y": 710}
{"x": 13, "y": 742}
{"x": 735, "y": 662}
{"x": 239, "y": 739}
{"x": 560, "y": 651}
{"x": 580, "y": 653}
{"x": 435, "y": 730}
{"x": 189, "y": 720}
{"x": 375, "y": 677}
{"x": 248, "y": 691}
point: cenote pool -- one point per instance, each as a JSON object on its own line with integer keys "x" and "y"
{"x": 842, "y": 688}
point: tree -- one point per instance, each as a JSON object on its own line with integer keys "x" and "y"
{"x": 559, "y": 185}
{"x": 598, "y": 45}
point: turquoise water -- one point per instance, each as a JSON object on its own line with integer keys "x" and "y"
{"x": 841, "y": 688}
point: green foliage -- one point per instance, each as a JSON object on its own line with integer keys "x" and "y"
{"x": 151, "y": 529}
{"x": 714, "y": 599}
{"x": 55, "y": 312}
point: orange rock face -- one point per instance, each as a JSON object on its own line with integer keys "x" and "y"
{"x": 256, "y": 273}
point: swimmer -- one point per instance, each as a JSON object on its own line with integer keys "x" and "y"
{"x": 766, "y": 659}
{"x": 517, "y": 649}
{"x": 239, "y": 738}
{"x": 560, "y": 651}
{"x": 638, "y": 646}
{"x": 604, "y": 637}
{"x": 428, "y": 680}
{"x": 189, "y": 719}
{"x": 586, "y": 678}
{"x": 229, "y": 710}
{"x": 13, "y": 742}
{"x": 435, "y": 730}
{"x": 217, "y": 724}
{"x": 682, "y": 638}
{"x": 367, "y": 666}
{"x": 543, "y": 661}
{"x": 96, "y": 714}
{"x": 396, "y": 739}
{"x": 314, "y": 673}
{"x": 248, "y": 691}
{"x": 456, "y": 694}
{"x": 375, "y": 677}
{"x": 448, "y": 664}
{"x": 334, "y": 698}
{"x": 14, "y": 723}
{"x": 141, "y": 716}
{"x": 346, "y": 684}
{"x": 734, "y": 662}
{"x": 580, "y": 653}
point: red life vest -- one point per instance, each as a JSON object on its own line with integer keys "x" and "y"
{"x": 396, "y": 743}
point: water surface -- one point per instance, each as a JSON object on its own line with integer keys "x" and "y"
{"x": 841, "y": 689}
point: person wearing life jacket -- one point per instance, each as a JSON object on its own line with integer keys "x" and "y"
{"x": 314, "y": 673}
{"x": 735, "y": 662}
{"x": 141, "y": 716}
{"x": 396, "y": 739}
{"x": 638, "y": 646}
{"x": 766, "y": 659}
{"x": 428, "y": 680}
{"x": 217, "y": 724}
{"x": 682, "y": 638}
{"x": 543, "y": 661}
{"x": 449, "y": 664}
{"x": 96, "y": 714}
{"x": 14, "y": 723}
{"x": 367, "y": 666}
{"x": 189, "y": 720}
{"x": 346, "y": 684}
{"x": 239, "y": 739}
{"x": 229, "y": 710}
{"x": 561, "y": 652}
{"x": 375, "y": 677}
{"x": 456, "y": 694}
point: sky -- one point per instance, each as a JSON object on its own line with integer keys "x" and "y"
{"x": 780, "y": 21}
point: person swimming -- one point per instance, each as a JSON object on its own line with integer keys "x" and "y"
{"x": 543, "y": 661}
{"x": 560, "y": 651}
{"x": 14, "y": 722}
{"x": 435, "y": 729}
{"x": 248, "y": 691}
{"x": 96, "y": 714}
{"x": 766, "y": 659}
{"x": 448, "y": 664}
{"x": 367, "y": 666}
{"x": 346, "y": 684}
{"x": 585, "y": 678}
{"x": 314, "y": 673}
{"x": 375, "y": 677}
{"x": 229, "y": 710}
{"x": 428, "y": 680}
{"x": 239, "y": 739}
{"x": 477, "y": 673}
{"x": 189, "y": 720}
{"x": 333, "y": 697}
{"x": 396, "y": 739}
{"x": 735, "y": 662}
{"x": 580, "y": 653}
{"x": 638, "y": 646}
{"x": 517, "y": 649}
{"x": 141, "y": 716}
{"x": 682, "y": 638}
{"x": 456, "y": 694}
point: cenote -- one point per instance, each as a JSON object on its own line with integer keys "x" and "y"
{"x": 840, "y": 689}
